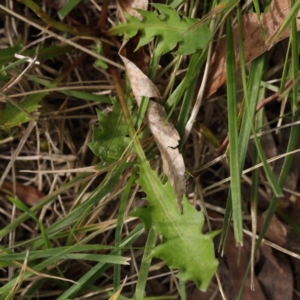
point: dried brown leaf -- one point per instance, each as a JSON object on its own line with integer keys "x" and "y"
{"x": 276, "y": 232}
{"x": 164, "y": 133}
{"x": 237, "y": 261}
{"x": 253, "y": 40}
{"x": 28, "y": 194}
{"x": 276, "y": 278}
{"x": 130, "y": 6}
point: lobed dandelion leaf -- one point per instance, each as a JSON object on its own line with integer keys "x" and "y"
{"x": 184, "y": 246}
{"x": 170, "y": 28}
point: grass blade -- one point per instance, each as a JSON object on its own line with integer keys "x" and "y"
{"x": 271, "y": 178}
{"x": 235, "y": 186}
{"x": 119, "y": 227}
{"x": 145, "y": 265}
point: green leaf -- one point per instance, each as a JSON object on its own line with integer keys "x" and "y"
{"x": 11, "y": 116}
{"x": 96, "y": 271}
{"x": 76, "y": 256}
{"x": 184, "y": 246}
{"x": 8, "y": 54}
{"x": 67, "y": 8}
{"x": 235, "y": 185}
{"x": 98, "y": 48}
{"x": 110, "y": 140}
{"x": 169, "y": 27}
{"x": 73, "y": 93}
{"x": 175, "y": 3}
{"x": 19, "y": 204}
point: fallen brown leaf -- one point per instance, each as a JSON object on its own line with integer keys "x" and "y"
{"x": 276, "y": 276}
{"x": 276, "y": 232}
{"x": 28, "y": 194}
{"x": 253, "y": 41}
{"x": 164, "y": 133}
{"x": 237, "y": 261}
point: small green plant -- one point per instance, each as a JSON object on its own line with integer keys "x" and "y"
{"x": 169, "y": 27}
{"x": 184, "y": 246}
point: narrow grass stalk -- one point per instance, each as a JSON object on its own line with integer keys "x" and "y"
{"x": 20, "y": 205}
{"x": 257, "y": 11}
{"x": 120, "y": 220}
{"x": 285, "y": 70}
{"x": 182, "y": 289}
{"x": 99, "y": 268}
{"x": 256, "y": 74}
{"x": 271, "y": 178}
{"x": 145, "y": 265}
{"x": 195, "y": 110}
{"x": 291, "y": 145}
{"x": 102, "y": 190}
{"x": 196, "y": 62}
{"x": 171, "y": 83}
{"x": 56, "y": 254}
{"x": 44, "y": 201}
{"x": 254, "y": 194}
{"x": 235, "y": 186}
{"x": 293, "y": 134}
{"x": 186, "y": 105}
{"x": 67, "y": 8}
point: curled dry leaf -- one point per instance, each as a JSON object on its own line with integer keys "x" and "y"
{"x": 254, "y": 42}
{"x": 164, "y": 133}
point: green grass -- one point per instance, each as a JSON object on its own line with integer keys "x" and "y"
{"x": 70, "y": 126}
